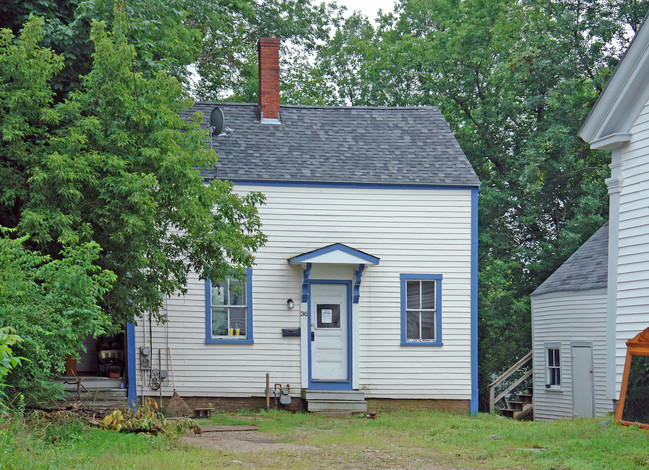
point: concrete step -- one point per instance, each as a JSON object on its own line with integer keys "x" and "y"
{"x": 333, "y": 395}
{"x": 92, "y": 383}
{"x": 338, "y": 407}
{"x": 110, "y": 394}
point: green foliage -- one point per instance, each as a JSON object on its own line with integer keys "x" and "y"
{"x": 159, "y": 31}
{"x": 110, "y": 174}
{"x": 218, "y": 39}
{"x": 8, "y": 361}
{"x": 227, "y": 65}
{"x": 52, "y": 304}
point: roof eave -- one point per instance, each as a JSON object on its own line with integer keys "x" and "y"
{"x": 625, "y": 94}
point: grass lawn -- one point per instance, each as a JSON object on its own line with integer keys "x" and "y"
{"x": 394, "y": 440}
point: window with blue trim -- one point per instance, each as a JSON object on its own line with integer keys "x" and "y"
{"x": 421, "y": 309}
{"x": 229, "y": 311}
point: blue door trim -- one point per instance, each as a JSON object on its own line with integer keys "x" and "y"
{"x": 338, "y": 384}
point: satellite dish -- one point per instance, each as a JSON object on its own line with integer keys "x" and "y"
{"x": 216, "y": 121}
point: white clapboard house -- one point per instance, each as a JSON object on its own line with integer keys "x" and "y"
{"x": 569, "y": 336}
{"x": 619, "y": 122}
{"x": 367, "y": 286}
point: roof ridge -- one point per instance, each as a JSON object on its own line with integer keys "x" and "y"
{"x": 390, "y": 108}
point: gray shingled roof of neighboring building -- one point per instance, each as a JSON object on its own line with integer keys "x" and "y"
{"x": 367, "y": 145}
{"x": 586, "y": 269}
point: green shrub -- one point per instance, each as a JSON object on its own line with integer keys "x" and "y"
{"x": 51, "y": 305}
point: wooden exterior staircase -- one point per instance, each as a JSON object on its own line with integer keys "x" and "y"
{"x": 521, "y": 407}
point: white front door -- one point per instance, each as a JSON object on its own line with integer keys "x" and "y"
{"x": 329, "y": 332}
{"x": 582, "y": 381}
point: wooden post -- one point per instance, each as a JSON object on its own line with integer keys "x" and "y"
{"x": 491, "y": 399}
{"x": 267, "y": 392}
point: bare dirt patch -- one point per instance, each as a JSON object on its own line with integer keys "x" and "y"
{"x": 242, "y": 442}
{"x": 244, "y": 445}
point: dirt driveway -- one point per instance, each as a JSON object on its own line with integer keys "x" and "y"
{"x": 256, "y": 449}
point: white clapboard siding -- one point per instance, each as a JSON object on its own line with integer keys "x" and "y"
{"x": 564, "y": 319}
{"x": 632, "y": 301}
{"x": 411, "y": 231}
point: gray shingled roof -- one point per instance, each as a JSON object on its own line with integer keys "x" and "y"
{"x": 405, "y": 145}
{"x": 586, "y": 269}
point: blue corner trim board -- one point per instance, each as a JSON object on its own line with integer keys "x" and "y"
{"x": 474, "y": 302}
{"x": 305, "y": 282}
{"x": 131, "y": 391}
{"x": 358, "y": 274}
{"x": 208, "y": 315}
{"x": 362, "y": 256}
{"x": 438, "y": 306}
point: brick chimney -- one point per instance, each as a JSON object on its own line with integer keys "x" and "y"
{"x": 268, "y": 51}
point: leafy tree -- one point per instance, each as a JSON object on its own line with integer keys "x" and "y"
{"x": 115, "y": 165}
{"x": 217, "y": 39}
{"x": 157, "y": 30}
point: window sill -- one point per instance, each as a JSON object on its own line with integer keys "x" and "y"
{"x": 421, "y": 343}
{"x": 554, "y": 389}
{"x": 228, "y": 341}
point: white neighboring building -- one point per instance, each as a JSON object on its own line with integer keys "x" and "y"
{"x": 620, "y": 122}
{"x": 371, "y": 217}
{"x": 569, "y": 336}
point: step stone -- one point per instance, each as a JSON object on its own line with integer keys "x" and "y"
{"x": 321, "y": 406}
{"x": 92, "y": 383}
{"x": 109, "y": 394}
{"x": 333, "y": 395}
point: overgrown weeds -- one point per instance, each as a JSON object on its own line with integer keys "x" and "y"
{"x": 396, "y": 439}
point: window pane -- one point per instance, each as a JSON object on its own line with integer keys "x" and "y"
{"x": 219, "y": 294}
{"x": 219, "y": 321}
{"x": 238, "y": 320}
{"x": 328, "y": 316}
{"x": 428, "y": 325}
{"x": 550, "y": 357}
{"x": 237, "y": 293}
{"x": 412, "y": 325}
{"x": 557, "y": 360}
{"x": 412, "y": 295}
{"x": 428, "y": 294}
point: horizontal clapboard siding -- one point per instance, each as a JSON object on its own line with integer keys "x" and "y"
{"x": 632, "y": 302}
{"x": 411, "y": 231}
{"x": 563, "y": 319}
